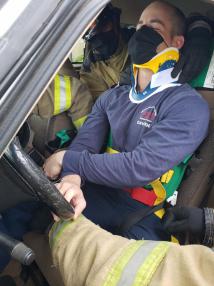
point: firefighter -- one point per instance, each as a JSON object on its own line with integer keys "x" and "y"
{"x": 105, "y": 58}
{"x": 88, "y": 255}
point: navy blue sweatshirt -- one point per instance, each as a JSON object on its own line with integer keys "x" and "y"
{"x": 152, "y": 137}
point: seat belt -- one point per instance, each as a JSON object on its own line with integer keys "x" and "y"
{"x": 135, "y": 217}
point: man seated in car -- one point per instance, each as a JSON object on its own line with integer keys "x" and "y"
{"x": 151, "y": 127}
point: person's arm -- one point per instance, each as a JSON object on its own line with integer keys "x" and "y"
{"x": 45, "y": 106}
{"x": 91, "y": 137}
{"x": 208, "y": 239}
{"x": 177, "y": 135}
{"x": 191, "y": 220}
{"x": 82, "y": 103}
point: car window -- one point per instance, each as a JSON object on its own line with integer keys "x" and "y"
{"x": 78, "y": 52}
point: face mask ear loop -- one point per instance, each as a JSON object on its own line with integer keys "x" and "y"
{"x": 166, "y": 44}
{"x": 135, "y": 72}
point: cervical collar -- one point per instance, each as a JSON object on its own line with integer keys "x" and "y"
{"x": 169, "y": 54}
{"x": 161, "y": 65}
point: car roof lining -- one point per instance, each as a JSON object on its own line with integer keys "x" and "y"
{"x": 131, "y": 10}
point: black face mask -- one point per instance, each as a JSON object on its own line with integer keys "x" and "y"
{"x": 143, "y": 44}
{"x": 103, "y": 45}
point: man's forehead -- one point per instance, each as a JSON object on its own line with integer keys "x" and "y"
{"x": 152, "y": 20}
{"x": 155, "y": 12}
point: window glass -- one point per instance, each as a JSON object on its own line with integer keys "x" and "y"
{"x": 78, "y": 51}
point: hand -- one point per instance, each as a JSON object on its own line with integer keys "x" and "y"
{"x": 180, "y": 220}
{"x": 69, "y": 187}
{"x": 53, "y": 165}
{"x": 195, "y": 54}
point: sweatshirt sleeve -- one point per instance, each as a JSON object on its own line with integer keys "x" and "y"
{"x": 92, "y": 136}
{"x": 174, "y": 137}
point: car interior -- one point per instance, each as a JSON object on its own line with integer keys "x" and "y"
{"x": 38, "y": 134}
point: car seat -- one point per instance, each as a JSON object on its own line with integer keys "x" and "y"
{"x": 200, "y": 173}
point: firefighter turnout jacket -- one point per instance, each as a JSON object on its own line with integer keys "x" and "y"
{"x": 88, "y": 255}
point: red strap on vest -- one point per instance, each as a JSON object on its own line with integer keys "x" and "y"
{"x": 147, "y": 197}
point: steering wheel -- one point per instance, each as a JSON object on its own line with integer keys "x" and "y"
{"x": 34, "y": 176}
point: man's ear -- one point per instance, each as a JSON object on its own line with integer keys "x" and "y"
{"x": 178, "y": 42}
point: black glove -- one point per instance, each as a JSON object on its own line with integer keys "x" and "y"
{"x": 195, "y": 53}
{"x": 181, "y": 220}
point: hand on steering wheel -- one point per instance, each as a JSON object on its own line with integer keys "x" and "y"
{"x": 69, "y": 187}
{"x": 53, "y": 165}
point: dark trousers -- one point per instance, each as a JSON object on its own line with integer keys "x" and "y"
{"x": 109, "y": 208}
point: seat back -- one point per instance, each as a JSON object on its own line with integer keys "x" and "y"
{"x": 197, "y": 184}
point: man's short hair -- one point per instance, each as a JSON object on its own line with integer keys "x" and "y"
{"x": 178, "y": 18}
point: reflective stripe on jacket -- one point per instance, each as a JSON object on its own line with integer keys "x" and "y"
{"x": 69, "y": 94}
{"x": 62, "y": 93}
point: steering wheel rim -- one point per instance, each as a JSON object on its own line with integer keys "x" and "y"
{"x": 41, "y": 185}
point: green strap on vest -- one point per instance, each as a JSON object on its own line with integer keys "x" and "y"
{"x": 177, "y": 177}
